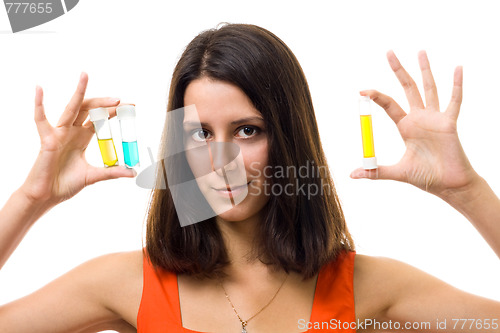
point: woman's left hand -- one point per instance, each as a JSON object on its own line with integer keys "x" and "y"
{"x": 434, "y": 159}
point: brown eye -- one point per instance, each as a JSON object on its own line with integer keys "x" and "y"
{"x": 247, "y": 131}
{"x": 200, "y": 135}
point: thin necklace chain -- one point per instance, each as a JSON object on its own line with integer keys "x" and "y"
{"x": 245, "y": 322}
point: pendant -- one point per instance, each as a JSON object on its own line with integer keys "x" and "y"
{"x": 244, "y": 330}
{"x": 244, "y": 327}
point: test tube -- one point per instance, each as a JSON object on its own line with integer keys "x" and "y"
{"x": 126, "y": 116}
{"x": 369, "y": 159}
{"x": 99, "y": 118}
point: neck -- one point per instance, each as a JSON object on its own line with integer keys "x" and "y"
{"x": 239, "y": 238}
{"x": 240, "y": 241}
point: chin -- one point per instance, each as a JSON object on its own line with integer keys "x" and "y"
{"x": 244, "y": 211}
{"x": 236, "y": 214}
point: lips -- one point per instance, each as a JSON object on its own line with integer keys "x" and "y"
{"x": 231, "y": 188}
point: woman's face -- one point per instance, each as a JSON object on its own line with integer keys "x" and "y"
{"x": 226, "y": 145}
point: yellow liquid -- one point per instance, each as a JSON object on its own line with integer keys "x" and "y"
{"x": 367, "y": 136}
{"x": 108, "y": 152}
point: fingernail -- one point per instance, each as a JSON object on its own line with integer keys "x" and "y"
{"x": 114, "y": 100}
{"x": 134, "y": 172}
{"x": 359, "y": 174}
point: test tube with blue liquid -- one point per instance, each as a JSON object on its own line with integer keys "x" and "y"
{"x": 126, "y": 116}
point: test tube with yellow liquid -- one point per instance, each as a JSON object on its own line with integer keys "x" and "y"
{"x": 369, "y": 159}
{"x": 99, "y": 118}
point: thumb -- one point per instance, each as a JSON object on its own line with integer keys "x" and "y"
{"x": 382, "y": 172}
{"x": 99, "y": 174}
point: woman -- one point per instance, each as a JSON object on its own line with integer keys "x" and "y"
{"x": 265, "y": 262}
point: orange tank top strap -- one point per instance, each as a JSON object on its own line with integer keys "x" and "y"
{"x": 160, "y": 309}
{"x": 333, "y": 306}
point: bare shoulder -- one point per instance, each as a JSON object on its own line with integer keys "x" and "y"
{"x": 369, "y": 269}
{"x": 380, "y": 281}
{"x": 101, "y": 294}
{"x": 121, "y": 277}
{"x": 112, "y": 271}
{"x": 123, "y": 264}
{"x": 388, "y": 290}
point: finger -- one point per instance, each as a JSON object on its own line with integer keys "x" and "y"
{"x": 95, "y": 175}
{"x": 93, "y": 103}
{"x": 88, "y": 124}
{"x": 382, "y": 172}
{"x": 73, "y": 108}
{"x": 431, "y": 96}
{"x": 104, "y": 102}
{"x": 456, "y": 95}
{"x": 112, "y": 110}
{"x": 406, "y": 81}
{"x": 42, "y": 124}
{"x": 387, "y": 103}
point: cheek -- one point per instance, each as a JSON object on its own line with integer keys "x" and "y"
{"x": 198, "y": 159}
{"x": 255, "y": 158}
{"x": 194, "y": 164}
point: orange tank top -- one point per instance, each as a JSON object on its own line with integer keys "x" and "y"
{"x": 332, "y": 310}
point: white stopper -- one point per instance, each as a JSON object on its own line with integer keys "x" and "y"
{"x": 98, "y": 114}
{"x": 365, "y": 106}
{"x": 370, "y": 163}
{"x": 125, "y": 112}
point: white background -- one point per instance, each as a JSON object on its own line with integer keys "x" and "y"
{"x": 129, "y": 49}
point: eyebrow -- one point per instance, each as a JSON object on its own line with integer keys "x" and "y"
{"x": 235, "y": 122}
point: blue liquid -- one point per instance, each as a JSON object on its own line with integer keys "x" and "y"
{"x": 130, "y": 154}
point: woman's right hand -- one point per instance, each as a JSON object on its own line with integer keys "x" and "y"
{"x": 61, "y": 170}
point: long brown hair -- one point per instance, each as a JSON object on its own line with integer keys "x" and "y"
{"x": 298, "y": 233}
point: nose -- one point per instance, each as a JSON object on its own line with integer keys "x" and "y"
{"x": 223, "y": 156}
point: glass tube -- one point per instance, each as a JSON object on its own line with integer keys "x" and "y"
{"x": 369, "y": 159}
{"x": 126, "y": 116}
{"x": 99, "y": 118}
